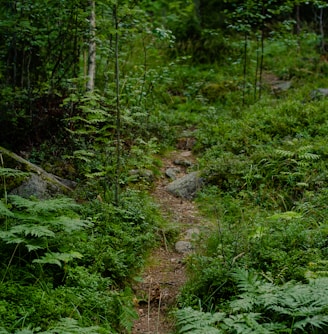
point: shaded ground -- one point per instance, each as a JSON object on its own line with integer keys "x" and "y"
{"x": 166, "y": 273}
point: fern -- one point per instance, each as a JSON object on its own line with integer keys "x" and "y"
{"x": 70, "y": 225}
{"x": 41, "y": 225}
{"x": 32, "y": 230}
{"x": 126, "y": 313}
{"x": 197, "y": 322}
{"x": 317, "y": 321}
{"x": 4, "y": 211}
{"x": 9, "y": 172}
{"x": 302, "y": 153}
{"x": 244, "y": 323}
{"x": 303, "y": 304}
{"x": 291, "y": 306}
{"x": 43, "y": 207}
{"x": 58, "y": 258}
{"x": 71, "y": 326}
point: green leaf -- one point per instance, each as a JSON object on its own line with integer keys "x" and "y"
{"x": 71, "y": 326}
{"x": 9, "y": 172}
{"x": 33, "y": 230}
{"x": 69, "y": 224}
{"x": 4, "y": 211}
{"x": 58, "y": 258}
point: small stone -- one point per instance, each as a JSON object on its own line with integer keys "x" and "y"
{"x": 142, "y": 174}
{"x": 183, "y": 247}
{"x": 192, "y": 233}
{"x": 185, "y": 187}
{"x": 182, "y": 162}
{"x": 318, "y": 93}
{"x": 172, "y": 173}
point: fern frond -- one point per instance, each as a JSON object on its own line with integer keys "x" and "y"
{"x": 247, "y": 323}
{"x": 309, "y": 156}
{"x": 54, "y": 205}
{"x": 37, "y": 231}
{"x": 284, "y": 153}
{"x": 10, "y": 238}
{"x": 317, "y": 321}
{"x": 125, "y": 311}
{"x": 31, "y": 244}
{"x": 43, "y": 207}
{"x": 58, "y": 258}
{"x": 246, "y": 303}
{"x": 247, "y": 281}
{"x": 24, "y": 331}
{"x": 9, "y": 172}
{"x": 69, "y": 225}
{"x": 71, "y": 326}
{"x": 4, "y": 211}
{"x": 196, "y": 322}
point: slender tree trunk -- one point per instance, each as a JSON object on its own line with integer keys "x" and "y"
{"x": 92, "y": 48}
{"x": 298, "y": 20}
{"x": 245, "y": 66}
{"x": 118, "y": 111}
{"x": 261, "y": 63}
{"x": 262, "y": 50}
{"x": 298, "y": 26}
{"x": 322, "y": 31}
{"x": 257, "y": 66}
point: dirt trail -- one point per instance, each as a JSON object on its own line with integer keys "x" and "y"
{"x": 166, "y": 273}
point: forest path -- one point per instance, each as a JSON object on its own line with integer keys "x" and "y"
{"x": 165, "y": 273}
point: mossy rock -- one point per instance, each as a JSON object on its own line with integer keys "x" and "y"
{"x": 215, "y": 91}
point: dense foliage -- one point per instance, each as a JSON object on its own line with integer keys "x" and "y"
{"x": 240, "y": 79}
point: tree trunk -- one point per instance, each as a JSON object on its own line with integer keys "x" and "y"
{"x": 322, "y": 31}
{"x": 118, "y": 109}
{"x": 92, "y": 48}
{"x": 245, "y": 66}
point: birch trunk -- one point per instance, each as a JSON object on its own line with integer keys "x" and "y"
{"x": 92, "y": 48}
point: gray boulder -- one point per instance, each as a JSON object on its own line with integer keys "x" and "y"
{"x": 142, "y": 175}
{"x": 319, "y": 93}
{"x": 183, "y": 246}
{"x": 185, "y": 187}
{"x": 172, "y": 173}
{"x": 38, "y": 187}
{"x": 192, "y": 234}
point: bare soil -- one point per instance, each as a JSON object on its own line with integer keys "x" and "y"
{"x": 165, "y": 273}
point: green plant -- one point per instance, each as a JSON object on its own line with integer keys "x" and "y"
{"x": 262, "y": 307}
{"x": 40, "y": 231}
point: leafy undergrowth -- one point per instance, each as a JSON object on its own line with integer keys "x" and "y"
{"x": 264, "y": 268}
{"x": 66, "y": 267}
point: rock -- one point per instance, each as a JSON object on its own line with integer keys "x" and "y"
{"x": 182, "y": 162}
{"x": 192, "y": 233}
{"x": 186, "y": 143}
{"x": 183, "y": 246}
{"x": 319, "y": 93}
{"x": 38, "y": 187}
{"x": 172, "y": 173}
{"x": 142, "y": 174}
{"x": 69, "y": 183}
{"x": 281, "y": 86}
{"x": 186, "y": 186}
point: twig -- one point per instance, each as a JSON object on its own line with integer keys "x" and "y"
{"x": 148, "y": 315}
{"x": 165, "y": 242}
{"x": 159, "y": 311}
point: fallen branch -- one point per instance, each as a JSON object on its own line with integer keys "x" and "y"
{"x": 30, "y": 167}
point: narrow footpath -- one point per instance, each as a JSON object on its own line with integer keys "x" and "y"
{"x": 165, "y": 273}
